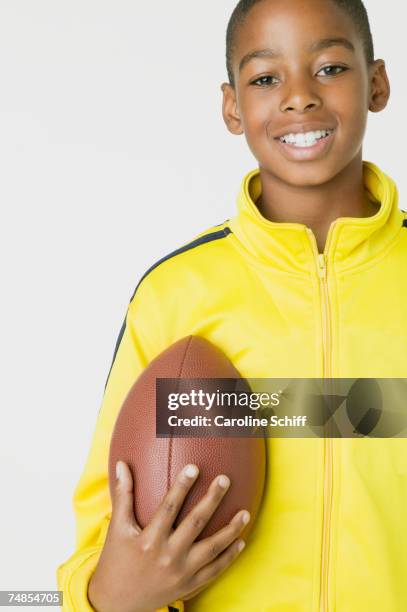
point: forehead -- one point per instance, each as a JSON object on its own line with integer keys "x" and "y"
{"x": 290, "y": 26}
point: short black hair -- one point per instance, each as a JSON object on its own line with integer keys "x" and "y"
{"x": 354, "y": 8}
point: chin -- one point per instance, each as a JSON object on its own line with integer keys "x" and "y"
{"x": 306, "y": 174}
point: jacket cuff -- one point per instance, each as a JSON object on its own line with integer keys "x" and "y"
{"x": 74, "y": 584}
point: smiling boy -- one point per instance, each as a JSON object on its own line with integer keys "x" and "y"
{"x": 297, "y": 68}
{"x": 306, "y": 280}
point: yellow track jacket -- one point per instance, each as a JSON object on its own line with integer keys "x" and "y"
{"x": 331, "y": 535}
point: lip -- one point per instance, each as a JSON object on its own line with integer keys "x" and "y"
{"x": 303, "y": 128}
{"x": 294, "y": 153}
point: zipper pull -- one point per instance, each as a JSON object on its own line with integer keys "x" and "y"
{"x": 321, "y": 265}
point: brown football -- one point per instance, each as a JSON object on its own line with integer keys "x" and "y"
{"x": 155, "y": 462}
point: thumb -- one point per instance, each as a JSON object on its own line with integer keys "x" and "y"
{"x": 123, "y": 499}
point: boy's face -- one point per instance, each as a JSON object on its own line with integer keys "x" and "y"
{"x": 302, "y": 88}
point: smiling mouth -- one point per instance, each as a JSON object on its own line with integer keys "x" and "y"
{"x": 306, "y": 148}
{"x": 305, "y": 140}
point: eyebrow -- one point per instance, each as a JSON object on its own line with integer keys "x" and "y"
{"x": 319, "y": 45}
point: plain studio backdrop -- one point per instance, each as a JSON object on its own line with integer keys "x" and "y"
{"x": 113, "y": 153}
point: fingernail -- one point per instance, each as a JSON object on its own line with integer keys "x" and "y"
{"x": 245, "y": 517}
{"x": 191, "y": 471}
{"x": 119, "y": 470}
{"x": 241, "y": 545}
{"x": 223, "y": 481}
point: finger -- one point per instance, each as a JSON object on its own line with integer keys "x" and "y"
{"x": 211, "y": 571}
{"x": 205, "y": 551}
{"x": 166, "y": 513}
{"x": 197, "y": 518}
{"x": 123, "y": 499}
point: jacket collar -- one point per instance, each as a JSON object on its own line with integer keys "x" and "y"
{"x": 291, "y": 247}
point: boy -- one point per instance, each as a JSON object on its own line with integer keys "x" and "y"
{"x": 307, "y": 280}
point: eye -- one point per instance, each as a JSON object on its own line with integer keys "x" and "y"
{"x": 263, "y": 84}
{"x": 332, "y": 70}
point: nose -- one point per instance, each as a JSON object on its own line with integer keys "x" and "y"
{"x": 300, "y": 96}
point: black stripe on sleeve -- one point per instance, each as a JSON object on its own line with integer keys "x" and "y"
{"x": 119, "y": 339}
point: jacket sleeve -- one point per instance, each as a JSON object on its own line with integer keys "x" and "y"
{"x": 139, "y": 341}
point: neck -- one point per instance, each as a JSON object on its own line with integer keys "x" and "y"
{"x": 317, "y": 206}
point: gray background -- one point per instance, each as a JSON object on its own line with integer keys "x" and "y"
{"x": 113, "y": 153}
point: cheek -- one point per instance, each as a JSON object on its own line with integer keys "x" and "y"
{"x": 257, "y": 114}
{"x": 354, "y": 123}
{"x": 351, "y": 106}
{"x": 258, "y": 123}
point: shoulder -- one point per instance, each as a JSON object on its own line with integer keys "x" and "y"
{"x": 196, "y": 256}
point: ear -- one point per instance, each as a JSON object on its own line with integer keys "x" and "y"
{"x": 379, "y": 86}
{"x": 230, "y": 110}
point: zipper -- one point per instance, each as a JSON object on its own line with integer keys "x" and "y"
{"x": 322, "y": 269}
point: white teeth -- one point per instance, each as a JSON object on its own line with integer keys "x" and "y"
{"x": 307, "y": 139}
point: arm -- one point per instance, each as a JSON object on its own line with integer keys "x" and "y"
{"x": 137, "y": 344}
